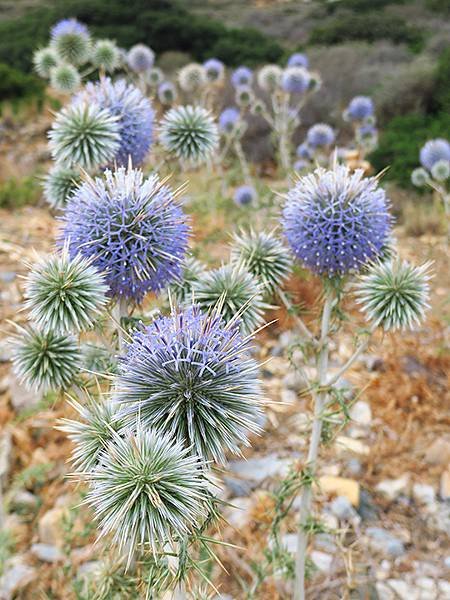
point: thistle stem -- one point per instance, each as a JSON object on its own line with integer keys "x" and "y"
{"x": 311, "y": 463}
{"x": 121, "y": 311}
{"x": 299, "y": 322}
{"x": 243, "y": 161}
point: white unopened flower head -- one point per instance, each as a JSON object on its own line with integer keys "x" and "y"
{"x": 65, "y": 78}
{"x": 140, "y": 58}
{"x": 155, "y": 76}
{"x": 440, "y": 171}
{"x": 63, "y": 294}
{"x": 420, "y": 177}
{"x": 192, "y": 77}
{"x": 44, "y": 60}
{"x": 245, "y": 96}
{"x": 106, "y": 55}
{"x": 269, "y": 77}
{"x": 394, "y": 294}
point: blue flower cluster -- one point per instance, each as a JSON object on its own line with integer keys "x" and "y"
{"x": 228, "y": 119}
{"x": 434, "y": 151}
{"x": 68, "y": 27}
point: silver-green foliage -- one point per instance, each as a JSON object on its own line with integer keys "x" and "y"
{"x": 59, "y": 183}
{"x": 181, "y": 289}
{"x": 65, "y": 294}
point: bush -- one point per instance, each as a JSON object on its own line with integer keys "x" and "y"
{"x": 401, "y": 141}
{"x": 367, "y": 27}
{"x": 15, "y": 193}
{"x": 15, "y": 85}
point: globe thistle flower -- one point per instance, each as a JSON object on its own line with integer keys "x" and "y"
{"x": 242, "y": 76}
{"x": 167, "y": 93}
{"x": 155, "y": 77}
{"x": 140, "y": 58}
{"x": 433, "y": 151}
{"x": 59, "y": 184}
{"x": 214, "y": 70}
{"x": 189, "y": 132}
{"x": 181, "y": 289}
{"x": 134, "y": 115}
{"x": 245, "y": 195}
{"x": 45, "y": 361}
{"x": 264, "y": 256}
{"x": 132, "y": 229}
{"x": 258, "y": 107}
{"x": 65, "y": 78}
{"x": 65, "y": 295}
{"x": 146, "y": 491}
{"x": 440, "y": 171}
{"x": 295, "y": 80}
{"x": 367, "y": 130}
{"x": 359, "y": 109}
{"x": 301, "y": 164}
{"x": 71, "y": 41}
{"x": 192, "y": 77}
{"x": 336, "y": 221}
{"x": 305, "y": 152}
{"x": 228, "y": 119}
{"x": 320, "y": 135}
{"x": 90, "y": 435}
{"x": 394, "y": 294}
{"x": 106, "y": 55}
{"x": 420, "y": 177}
{"x": 269, "y": 77}
{"x": 236, "y": 292}
{"x": 85, "y": 135}
{"x": 44, "y": 60}
{"x": 190, "y": 377}
{"x": 298, "y": 60}
{"x": 244, "y": 96}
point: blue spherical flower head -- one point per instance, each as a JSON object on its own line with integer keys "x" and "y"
{"x": 68, "y": 27}
{"x": 245, "y": 195}
{"x": 228, "y": 119}
{"x": 242, "y": 76}
{"x": 190, "y": 376}
{"x": 167, "y": 92}
{"x": 131, "y": 227}
{"x": 336, "y": 221}
{"x": 434, "y": 151}
{"x": 360, "y": 108}
{"x": 305, "y": 152}
{"x": 298, "y": 60}
{"x": 320, "y": 135}
{"x": 134, "y": 112}
{"x": 140, "y": 58}
{"x": 295, "y": 80}
{"x": 214, "y": 69}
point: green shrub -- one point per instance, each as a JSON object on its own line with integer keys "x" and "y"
{"x": 15, "y": 85}
{"x": 18, "y": 192}
{"x": 367, "y": 27}
{"x": 401, "y": 140}
{"x": 360, "y": 5}
{"x": 441, "y": 96}
{"x": 439, "y": 6}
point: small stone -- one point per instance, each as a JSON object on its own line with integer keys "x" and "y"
{"x": 367, "y": 508}
{"x": 322, "y": 560}
{"x": 325, "y": 541}
{"x": 423, "y": 494}
{"x": 329, "y": 521}
{"x": 294, "y": 381}
{"x": 17, "y": 574}
{"x": 444, "y": 588}
{"x": 5, "y": 456}
{"x": 288, "y": 397}
{"x": 21, "y": 397}
{"x": 289, "y": 541}
{"x": 50, "y": 527}
{"x": 238, "y": 514}
{"x": 341, "y": 486}
{"x": 47, "y": 552}
{"x": 354, "y": 466}
{"x": 342, "y": 508}
{"x": 392, "y": 488}
{"x": 89, "y": 568}
{"x": 345, "y": 444}
{"x": 444, "y": 488}
{"x": 403, "y": 590}
{"x": 438, "y": 453}
{"x": 384, "y": 591}
{"x": 384, "y": 542}
{"x": 23, "y": 499}
{"x": 361, "y": 413}
{"x": 447, "y": 562}
{"x": 428, "y": 588}
{"x": 258, "y": 469}
{"x": 238, "y": 487}
{"x": 374, "y": 363}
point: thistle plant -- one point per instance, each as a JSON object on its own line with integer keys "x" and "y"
{"x": 192, "y": 78}
{"x": 298, "y": 59}
{"x": 44, "y": 60}
{"x": 236, "y": 292}
{"x": 59, "y": 183}
{"x": 214, "y": 70}
{"x": 65, "y": 78}
{"x": 181, "y": 289}
{"x": 140, "y": 58}
{"x": 45, "y": 361}
{"x": 167, "y": 93}
{"x": 71, "y": 41}
{"x": 106, "y": 56}
{"x": 242, "y": 76}
{"x": 245, "y": 195}
{"x": 232, "y": 127}
{"x": 189, "y": 133}
{"x": 360, "y": 113}
{"x": 338, "y": 226}
{"x": 84, "y": 135}
{"x": 190, "y": 376}
{"x": 64, "y": 295}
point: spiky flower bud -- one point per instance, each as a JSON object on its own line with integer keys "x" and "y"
{"x": 305, "y": 152}
{"x": 228, "y": 119}
{"x": 298, "y": 60}
{"x": 65, "y": 78}
{"x": 181, "y": 289}
{"x": 44, "y": 60}
{"x": 192, "y": 77}
{"x": 336, "y": 221}
{"x": 269, "y": 77}
{"x": 140, "y": 58}
{"x": 45, "y": 360}
{"x": 394, "y": 294}
{"x": 264, "y": 256}
{"x": 155, "y": 77}
{"x": 167, "y": 93}
{"x": 59, "y": 184}
{"x": 84, "y": 135}
{"x": 242, "y": 76}
{"x": 245, "y": 195}
{"x": 189, "y": 132}
{"x": 131, "y": 227}
{"x": 320, "y": 135}
{"x": 106, "y": 55}
{"x": 245, "y": 96}
{"x": 146, "y": 491}
{"x": 190, "y": 376}
{"x": 236, "y": 292}
{"x": 214, "y": 70}
{"x": 71, "y": 41}
{"x": 359, "y": 108}
{"x": 440, "y": 171}
{"x": 433, "y": 151}
{"x": 65, "y": 295}
{"x": 92, "y": 433}
{"x": 420, "y": 177}
{"x": 295, "y": 80}
{"x": 98, "y": 360}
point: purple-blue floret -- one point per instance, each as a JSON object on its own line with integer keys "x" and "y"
{"x": 360, "y": 108}
{"x": 228, "y": 119}
{"x": 295, "y": 80}
{"x": 133, "y": 229}
{"x": 69, "y": 27}
{"x": 298, "y": 60}
{"x": 242, "y": 76}
{"x": 434, "y": 151}
{"x": 215, "y": 66}
{"x": 135, "y": 113}
{"x": 244, "y": 195}
{"x": 304, "y": 151}
{"x": 320, "y": 135}
{"x": 336, "y": 221}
